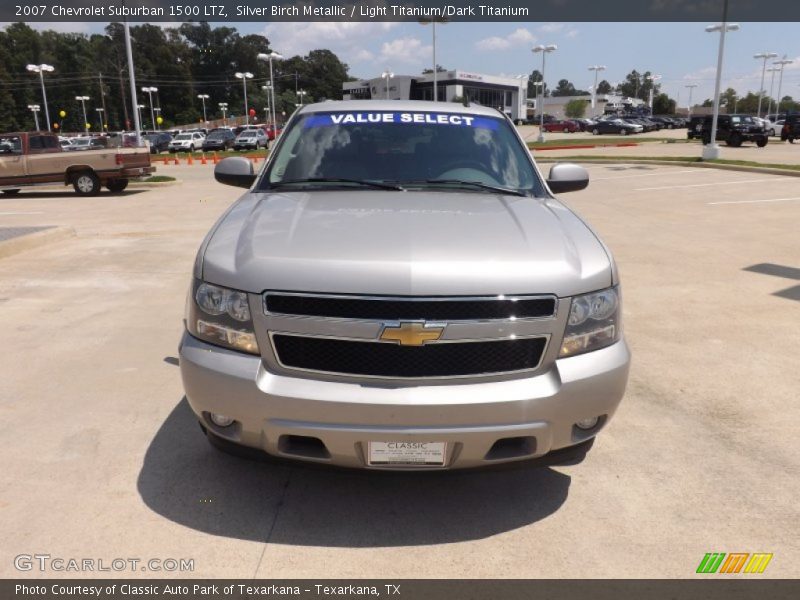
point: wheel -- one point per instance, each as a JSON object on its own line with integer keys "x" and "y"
{"x": 117, "y": 185}
{"x": 734, "y": 140}
{"x": 623, "y": 132}
{"x": 191, "y": 148}
{"x": 86, "y": 183}
{"x": 771, "y": 132}
{"x": 670, "y": 126}
{"x": 791, "y": 140}
{"x": 761, "y": 142}
{"x": 595, "y": 131}
{"x": 11, "y": 192}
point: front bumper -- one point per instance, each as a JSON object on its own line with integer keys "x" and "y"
{"x": 482, "y": 423}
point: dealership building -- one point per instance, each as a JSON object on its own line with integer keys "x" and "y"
{"x": 507, "y": 94}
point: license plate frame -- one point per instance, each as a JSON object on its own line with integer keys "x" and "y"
{"x": 401, "y": 453}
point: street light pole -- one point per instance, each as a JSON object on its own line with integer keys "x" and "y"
{"x": 433, "y": 21}
{"x": 544, "y": 50}
{"x": 387, "y": 75}
{"x": 100, "y": 117}
{"x": 300, "y": 94}
{"x": 784, "y": 61}
{"x": 244, "y": 77}
{"x": 596, "y": 69}
{"x": 691, "y": 87}
{"x": 204, "y": 97}
{"x": 765, "y": 56}
{"x": 711, "y": 151}
{"x": 223, "y": 106}
{"x": 269, "y": 57}
{"x": 35, "y": 108}
{"x": 150, "y": 90}
{"x": 82, "y": 100}
{"x": 41, "y": 69}
{"x": 652, "y": 79}
{"x": 772, "y": 70}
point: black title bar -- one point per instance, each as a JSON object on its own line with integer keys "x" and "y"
{"x": 392, "y": 10}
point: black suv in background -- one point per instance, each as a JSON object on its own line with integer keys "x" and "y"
{"x": 219, "y": 139}
{"x": 734, "y": 130}
{"x": 791, "y": 128}
{"x": 694, "y": 129}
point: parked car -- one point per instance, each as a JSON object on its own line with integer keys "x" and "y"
{"x": 694, "y": 129}
{"x": 566, "y": 126}
{"x": 791, "y": 128}
{"x": 641, "y": 122}
{"x": 768, "y": 126}
{"x": 186, "y": 142}
{"x": 219, "y": 139}
{"x": 159, "y": 142}
{"x": 615, "y": 126}
{"x": 86, "y": 143}
{"x": 736, "y": 129}
{"x": 324, "y": 325}
{"x": 585, "y": 124}
{"x": 273, "y": 131}
{"x": 65, "y": 142}
{"x": 251, "y": 139}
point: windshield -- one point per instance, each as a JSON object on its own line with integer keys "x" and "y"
{"x": 216, "y": 135}
{"x": 410, "y": 149}
{"x": 183, "y": 136}
{"x": 246, "y": 134}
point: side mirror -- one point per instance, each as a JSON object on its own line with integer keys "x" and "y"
{"x": 236, "y": 171}
{"x": 566, "y": 177}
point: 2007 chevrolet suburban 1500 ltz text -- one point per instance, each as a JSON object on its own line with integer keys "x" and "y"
{"x": 399, "y": 289}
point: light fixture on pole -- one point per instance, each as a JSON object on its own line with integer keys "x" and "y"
{"x": 771, "y": 70}
{"x": 387, "y": 75}
{"x": 35, "y": 108}
{"x": 766, "y": 56}
{"x": 544, "y": 50}
{"x": 596, "y": 69}
{"x": 223, "y": 106}
{"x": 270, "y": 57}
{"x": 711, "y": 151}
{"x": 783, "y": 62}
{"x": 244, "y": 76}
{"x": 433, "y": 21}
{"x": 300, "y": 94}
{"x": 41, "y": 70}
{"x": 691, "y": 87}
{"x": 158, "y": 117}
{"x": 268, "y": 89}
{"x": 652, "y": 79}
{"x": 204, "y": 97}
{"x": 140, "y": 108}
{"x": 100, "y": 112}
{"x": 82, "y": 100}
{"x": 150, "y": 91}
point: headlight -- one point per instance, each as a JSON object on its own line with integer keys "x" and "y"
{"x": 221, "y": 316}
{"x": 594, "y": 322}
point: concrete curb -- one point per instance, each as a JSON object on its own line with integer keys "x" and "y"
{"x": 676, "y": 163}
{"x": 154, "y": 183}
{"x": 34, "y": 240}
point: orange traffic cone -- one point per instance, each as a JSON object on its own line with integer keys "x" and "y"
{"x": 215, "y": 159}
{"x": 189, "y": 160}
{"x": 203, "y": 160}
{"x": 177, "y": 162}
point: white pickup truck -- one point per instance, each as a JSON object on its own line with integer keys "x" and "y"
{"x": 37, "y": 158}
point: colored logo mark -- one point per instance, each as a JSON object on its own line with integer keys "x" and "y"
{"x": 735, "y": 562}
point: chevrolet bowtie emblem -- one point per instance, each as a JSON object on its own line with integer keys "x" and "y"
{"x": 411, "y": 333}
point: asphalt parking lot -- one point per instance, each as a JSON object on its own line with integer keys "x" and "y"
{"x": 102, "y": 457}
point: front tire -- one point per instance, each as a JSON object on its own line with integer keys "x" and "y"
{"x": 595, "y": 131}
{"x": 761, "y": 142}
{"x": 86, "y": 183}
{"x": 623, "y": 132}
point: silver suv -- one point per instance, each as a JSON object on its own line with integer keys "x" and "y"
{"x": 399, "y": 289}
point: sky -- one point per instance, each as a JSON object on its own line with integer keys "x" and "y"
{"x": 682, "y": 53}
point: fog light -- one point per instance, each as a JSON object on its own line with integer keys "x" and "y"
{"x": 220, "y": 420}
{"x": 587, "y": 424}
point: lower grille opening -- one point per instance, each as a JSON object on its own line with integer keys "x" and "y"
{"x": 377, "y": 359}
{"x": 301, "y": 445}
{"x": 512, "y": 447}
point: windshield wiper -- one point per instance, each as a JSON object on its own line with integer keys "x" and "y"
{"x": 361, "y": 182}
{"x": 476, "y": 184}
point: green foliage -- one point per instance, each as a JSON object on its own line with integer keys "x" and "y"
{"x": 604, "y": 87}
{"x": 575, "y": 109}
{"x": 566, "y": 88}
{"x": 182, "y": 62}
{"x": 663, "y": 105}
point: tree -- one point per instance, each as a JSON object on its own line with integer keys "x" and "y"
{"x": 575, "y": 109}
{"x": 637, "y": 85}
{"x": 663, "y": 105}
{"x": 604, "y": 87}
{"x": 533, "y": 90}
{"x": 429, "y": 71}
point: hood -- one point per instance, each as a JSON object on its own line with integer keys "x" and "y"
{"x": 404, "y": 243}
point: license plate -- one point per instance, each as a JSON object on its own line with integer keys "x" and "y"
{"x": 407, "y": 454}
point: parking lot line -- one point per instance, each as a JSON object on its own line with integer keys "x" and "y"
{"x": 659, "y": 173}
{"x": 690, "y": 185}
{"x": 754, "y": 201}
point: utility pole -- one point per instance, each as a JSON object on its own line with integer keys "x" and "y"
{"x": 102, "y": 101}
